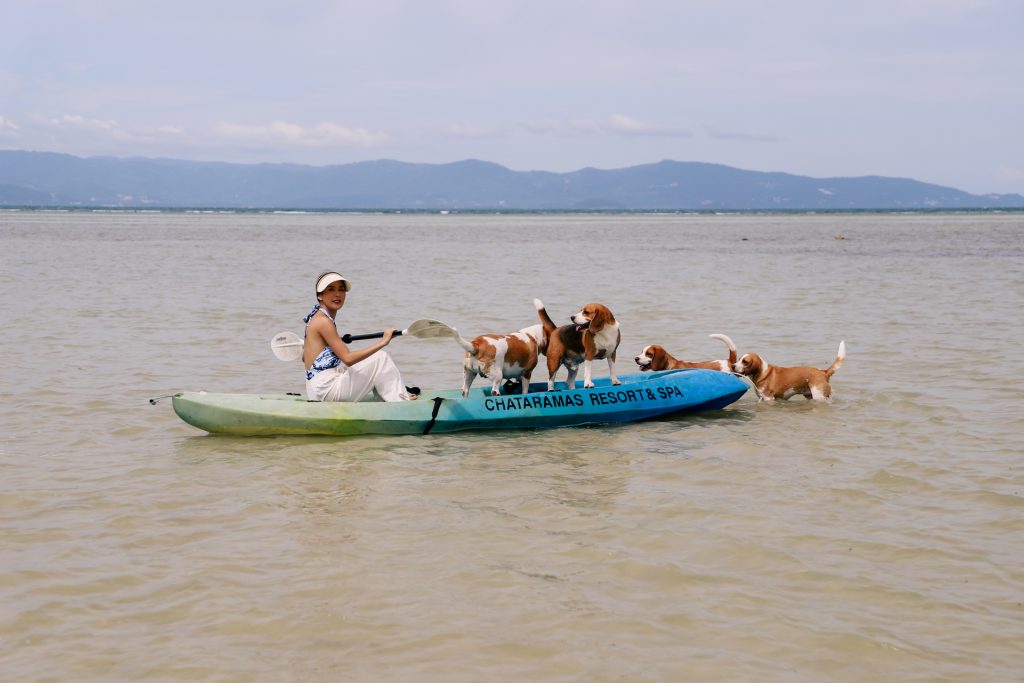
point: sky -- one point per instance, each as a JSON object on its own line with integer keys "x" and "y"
{"x": 925, "y": 89}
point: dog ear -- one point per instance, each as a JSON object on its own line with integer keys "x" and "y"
{"x": 606, "y": 313}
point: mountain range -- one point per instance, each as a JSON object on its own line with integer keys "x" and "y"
{"x": 45, "y": 179}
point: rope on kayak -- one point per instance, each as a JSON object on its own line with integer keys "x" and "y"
{"x": 154, "y": 401}
{"x": 438, "y": 400}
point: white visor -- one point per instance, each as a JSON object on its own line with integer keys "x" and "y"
{"x": 328, "y": 278}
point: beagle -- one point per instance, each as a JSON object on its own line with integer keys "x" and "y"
{"x": 655, "y": 357}
{"x": 499, "y": 357}
{"x": 594, "y": 333}
{"x": 773, "y": 381}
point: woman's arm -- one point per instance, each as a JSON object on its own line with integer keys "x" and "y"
{"x": 329, "y": 334}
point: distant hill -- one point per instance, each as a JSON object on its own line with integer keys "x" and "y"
{"x": 44, "y": 179}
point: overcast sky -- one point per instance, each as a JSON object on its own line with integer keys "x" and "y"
{"x": 926, "y": 89}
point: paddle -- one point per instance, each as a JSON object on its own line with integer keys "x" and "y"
{"x": 287, "y": 346}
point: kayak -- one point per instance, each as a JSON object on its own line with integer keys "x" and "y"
{"x": 640, "y": 396}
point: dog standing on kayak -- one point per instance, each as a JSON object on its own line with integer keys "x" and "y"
{"x": 594, "y": 333}
{"x": 502, "y": 356}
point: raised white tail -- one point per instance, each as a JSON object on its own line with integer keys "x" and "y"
{"x": 545, "y": 319}
{"x": 466, "y": 345}
{"x": 840, "y": 356}
{"x": 728, "y": 342}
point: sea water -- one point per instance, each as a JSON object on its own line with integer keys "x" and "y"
{"x": 878, "y": 537}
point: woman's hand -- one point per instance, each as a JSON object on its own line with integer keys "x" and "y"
{"x": 388, "y": 334}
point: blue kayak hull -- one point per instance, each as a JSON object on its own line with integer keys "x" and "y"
{"x": 640, "y": 396}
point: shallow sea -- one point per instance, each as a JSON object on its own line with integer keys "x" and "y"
{"x": 878, "y": 537}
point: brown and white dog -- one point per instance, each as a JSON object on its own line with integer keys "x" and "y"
{"x": 773, "y": 381}
{"x": 655, "y": 357}
{"x": 502, "y": 356}
{"x": 594, "y": 333}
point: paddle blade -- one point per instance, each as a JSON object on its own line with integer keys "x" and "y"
{"x": 286, "y": 346}
{"x": 430, "y": 329}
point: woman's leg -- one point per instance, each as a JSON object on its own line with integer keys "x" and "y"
{"x": 339, "y": 384}
{"x": 388, "y": 380}
{"x": 378, "y": 372}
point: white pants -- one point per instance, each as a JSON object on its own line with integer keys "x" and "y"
{"x": 354, "y": 383}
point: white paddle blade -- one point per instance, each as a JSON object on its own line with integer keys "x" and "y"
{"x": 286, "y": 346}
{"x": 430, "y": 329}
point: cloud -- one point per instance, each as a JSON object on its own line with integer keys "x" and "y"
{"x": 292, "y": 133}
{"x": 76, "y": 121}
{"x": 719, "y": 134}
{"x": 542, "y": 127}
{"x": 624, "y": 125}
{"x": 95, "y": 129}
{"x": 615, "y": 125}
{"x": 7, "y": 124}
{"x": 472, "y": 132}
{"x": 81, "y": 127}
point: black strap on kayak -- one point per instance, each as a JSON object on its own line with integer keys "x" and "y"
{"x": 438, "y": 400}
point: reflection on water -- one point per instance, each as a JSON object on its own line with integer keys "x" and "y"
{"x": 866, "y": 539}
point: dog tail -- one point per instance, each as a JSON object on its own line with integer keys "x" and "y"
{"x": 840, "y": 356}
{"x": 545, "y": 319}
{"x": 470, "y": 349}
{"x": 728, "y": 342}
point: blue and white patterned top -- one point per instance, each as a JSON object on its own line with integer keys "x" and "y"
{"x": 326, "y": 359}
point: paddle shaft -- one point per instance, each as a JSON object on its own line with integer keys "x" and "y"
{"x": 373, "y": 335}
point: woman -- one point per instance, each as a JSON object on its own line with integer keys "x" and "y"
{"x": 333, "y": 372}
